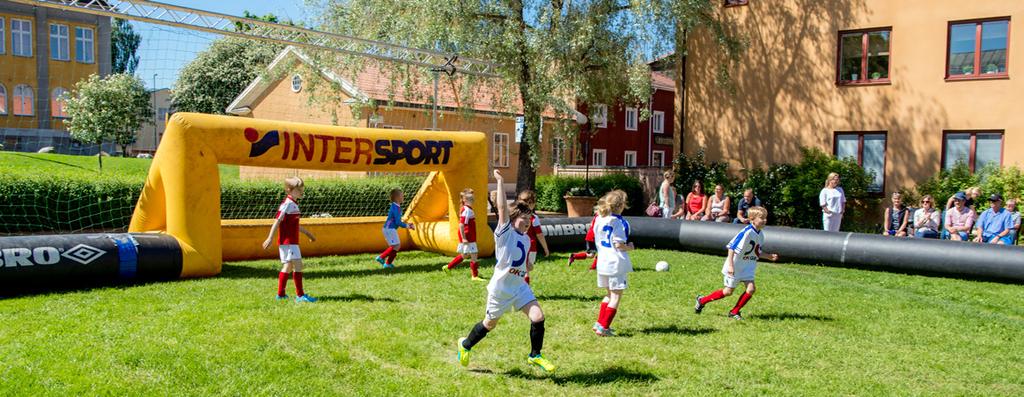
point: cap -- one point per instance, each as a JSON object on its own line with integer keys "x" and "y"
{"x": 960, "y": 196}
{"x": 995, "y": 197}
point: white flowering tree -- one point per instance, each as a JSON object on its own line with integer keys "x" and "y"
{"x": 111, "y": 108}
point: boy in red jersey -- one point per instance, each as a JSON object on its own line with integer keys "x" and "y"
{"x": 287, "y": 223}
{"x": 529, "y": 198}
{"x": 467, "y": 237}
{"x": 591, "y": 250}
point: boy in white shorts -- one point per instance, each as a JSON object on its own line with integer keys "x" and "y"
{"x": 741, "y": 262}
{"x": 390, "y": 230}
{"x": 287, "y": 223}
{"x": 613, "y": 262}
{"x": 467, "y": 237}
{"x": 508, "y": 289}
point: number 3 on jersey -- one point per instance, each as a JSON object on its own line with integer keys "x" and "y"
{"x": 607, "y": 240}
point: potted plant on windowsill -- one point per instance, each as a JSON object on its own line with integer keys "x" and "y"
{"x": 876, "y": 75}
{"x": 991, "y": 69}
{"x": 967, "y": 69}
{"x": 580, "y": 201}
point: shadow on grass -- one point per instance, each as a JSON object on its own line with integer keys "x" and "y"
{"x": 55, "y": 161}
{"x": 605, "y": 376}
{"x": 237, "y": 272}
{"x": 677, "y": 330}
{"x": 561, "y": 297}
{"x": 354, "y": 298}
{"x": 789, "y": 316}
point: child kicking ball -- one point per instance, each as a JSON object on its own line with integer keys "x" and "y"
{"x": 741, "y": 262}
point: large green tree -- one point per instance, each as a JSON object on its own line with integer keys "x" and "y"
{"x": 124, "y": 45}
{"x": 106, "y": 109}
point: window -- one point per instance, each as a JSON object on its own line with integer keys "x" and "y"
{"x": 600, "y": 157}
{"x": 868, "y": 149}
{"x": 500, "y": 150}
{"x": 3, "y": 99}
{"x": 296, "y": 83}
{"x": 600, "y": 116}
{"x": 977, "y": 49}
{"x": 23, "y": 101}
{"x": 631, "y": 119}
{"x": 83, "y": 45}
{"x": 658, "y": 120}
{"x": 630, "y": 159}
{"x": 658, "y": 158}
{"x": 864, "y": 56}
{"x": 558, "y": 150}
{"x": 977, "y": 149}
{"x": 57, "y": 103}
{"x": 21, "y": 37}
{"x": 161, "y": 114}
{"x": 731, "y": 3}
{"x": 3, "y": 37}
{"x": 59, "y": 42}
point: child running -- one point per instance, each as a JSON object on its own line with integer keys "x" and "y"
{"x": 508, "y": 288}
{"x": 467, "y": 237}
{"x": 390, "y": 230}
{"x": 287, "y": 223}
{"x": 536, "y": 234}
{"x": 741, "y": 262}
{"x": 591, "y": 250}
{"x": 614, "y": 264}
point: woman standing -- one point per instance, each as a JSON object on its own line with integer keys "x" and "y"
{"x": 832, "y": 200}
{"x": 667, "y": 195}
{"x": 696, "y": 204}
{"x": 718, "y": 206}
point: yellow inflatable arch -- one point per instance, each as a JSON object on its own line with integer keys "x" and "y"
{"x": 182, "y": 193}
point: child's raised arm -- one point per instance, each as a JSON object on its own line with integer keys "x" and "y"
{"x": 500, "y": 200}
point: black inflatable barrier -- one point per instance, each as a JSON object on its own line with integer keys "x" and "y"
{"x": 811, "y": 246}
{"x": 30, "y": 261}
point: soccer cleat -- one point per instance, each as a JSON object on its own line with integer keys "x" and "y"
{"x": 463, "y": 354}
{"x": 305, "y": 298}
{"x": 540, "y": 362}
{"x": 281, "y": 298}
{"x": 602, "y": 331}
{"x": 735, "y": 316}
{"x": 389, "y": 266}
{"x": 698, "y": 307}
{"x": 478, "y": 279}
{"x": 446, "y": 270}
{"x": 379, "y": 260}
{"x": 570, "y": 260}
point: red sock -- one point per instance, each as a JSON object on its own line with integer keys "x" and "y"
{"x": 608, "y": 317}
{"x": 527, "y": 278}
{"x": 386, "y": 252}
{"x": 282, "y": 282}
{"x": 594, "y": 264}
{"x": 298, "y": 284}
{"x": 601, "y": 312}
{"x": 391, "y": 257}
{"x": 740, "y": 303}
{"x": 474, "y": 269}
{"x": 579, "y": 255}
{"x": 712, "y": 297}
{"x": 455, "y": 262}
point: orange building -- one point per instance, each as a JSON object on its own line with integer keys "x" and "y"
{"x": 44, "y": 52}
{"x": 904, "y": 87}
{"x": 282, "y": 94}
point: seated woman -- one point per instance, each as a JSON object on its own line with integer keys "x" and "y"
{"x": 926, "y": 219}
{"x": 895, "y": 219}
{"x": 718, "y": 206}
{"x": 696, "y": 203}
{"x": 959, "y": 219}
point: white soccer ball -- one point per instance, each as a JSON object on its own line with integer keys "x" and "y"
{"x": 661, "y": 266}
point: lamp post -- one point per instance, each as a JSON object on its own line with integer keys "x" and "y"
{"x": 449, "y": 69}
{"x": 156, "y": 141}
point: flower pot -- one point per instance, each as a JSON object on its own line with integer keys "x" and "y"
{"x": 578, "y": 206}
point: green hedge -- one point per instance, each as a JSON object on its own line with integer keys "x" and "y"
{"x": 551, "y": 191}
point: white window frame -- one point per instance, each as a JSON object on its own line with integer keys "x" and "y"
{"x": 658, "y": 122}
{"x": 18, "y": 36}
{"x": 632, "y": 119}
{"x": 62, "y": 43}
{"x": 604, "y": 157}
{"x": 625, "y": 158}
{"x": 600, "y": 115}
{"x": 58, "y": 108}
{"x": 3, "y": 35}
{"x": 661, "y": 156}
{"x": 87, "y": 50}
{"x": 558, "y": 151}
{"x": 4, "y": 102}
{"x": 24, "y": 89}
{"x": 500, "y": 150}
{"x": 296, "y": 83}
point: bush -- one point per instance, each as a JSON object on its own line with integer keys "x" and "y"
{"x": 552, "y": 189}
{"x": 1007, "y": 181}
{"x": 945, "y": 184}
{"x": 690, "y": 169}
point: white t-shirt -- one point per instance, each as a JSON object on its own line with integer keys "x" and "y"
{"x": 747, "y": 246}
{"x": 609, "y": 230}
{"x": 932, "y": 223}
{"x": 833, "y": 199}
{"x": 511, "y": 248}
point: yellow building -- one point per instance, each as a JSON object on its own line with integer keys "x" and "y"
{"x": 281, "y": 94}
{"x": 43, "y": 53}
{"x": 904, "y": 87}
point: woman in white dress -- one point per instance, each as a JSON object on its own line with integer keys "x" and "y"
{"x": 832, "y": 200}
{"x": 667, "y": 195}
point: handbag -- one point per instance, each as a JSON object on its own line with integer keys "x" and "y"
{"x": 654, "y": 210}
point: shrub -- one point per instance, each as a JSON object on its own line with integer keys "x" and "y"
{"x": 946, "y": 183}
{"x": 689, "y": 169}
{"x": 552, "y": 189}
{"x": 1007, "y": 181}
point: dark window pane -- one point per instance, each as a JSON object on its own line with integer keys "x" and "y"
{"x": 878, "y": 55}
{"x": 993, "y": 46}
{"x": 852, "y": 50}
{"x": 988, "y": 149}
{"x": 958, "y": 148}
{"x": 961, "y": 49}
{"x": 874, "y": 160}
{"x": 846, "y": 146}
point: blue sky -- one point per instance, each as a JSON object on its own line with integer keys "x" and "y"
{"x": 164, "y": 50}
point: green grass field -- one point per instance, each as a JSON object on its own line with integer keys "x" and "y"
{"x": 809, "y": 331}
{"x": 34, "y": 164}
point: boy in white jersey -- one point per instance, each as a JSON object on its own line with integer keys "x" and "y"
{"x": 741, "y": 262}
{"x": 508, "y": 288}
{"x": 613, "y": 263}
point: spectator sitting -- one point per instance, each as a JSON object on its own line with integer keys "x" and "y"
{"x": 895, "y": 220}
{"x": 1011, "y": 205}
{"x": 959, "y": 219}
{"x": 972, "y": 194}
{"x": 718, "y": 206}
{"x": 926, "y": 219}
{"x": 748, "y": 200}
{"x": 995, "y": 224}
{"x": 696, "y": 203}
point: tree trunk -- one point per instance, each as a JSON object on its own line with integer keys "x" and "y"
{"x": 100, "y": 156}
{"x": 526, "y": 179}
